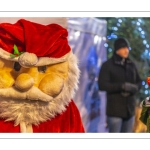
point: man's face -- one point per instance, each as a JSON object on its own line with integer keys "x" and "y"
{"x": 123, "y": 52}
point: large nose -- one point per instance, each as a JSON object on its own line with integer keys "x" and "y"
{"x": 24, "y": 82}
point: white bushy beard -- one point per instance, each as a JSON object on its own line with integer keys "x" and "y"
{"x": 34, "y": 111}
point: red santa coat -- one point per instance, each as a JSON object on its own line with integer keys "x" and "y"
{"x": 68, "y": 121}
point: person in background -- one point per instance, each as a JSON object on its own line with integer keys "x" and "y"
{"x": 119, "y": 77}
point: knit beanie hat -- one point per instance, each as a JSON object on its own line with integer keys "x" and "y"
{"x": 120, "y": 43}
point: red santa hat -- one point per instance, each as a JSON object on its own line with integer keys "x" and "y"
{"x": 38, "y": 44}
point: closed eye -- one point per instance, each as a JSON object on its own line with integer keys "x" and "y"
{"x": 42, "y": 69}
{"x": 17, "y": 66}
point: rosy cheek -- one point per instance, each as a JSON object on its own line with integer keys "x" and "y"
{"x": 6, "y": 80}
{"x": 52, "y": 84}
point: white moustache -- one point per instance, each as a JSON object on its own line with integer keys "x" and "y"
{"x": 33, "y": 94}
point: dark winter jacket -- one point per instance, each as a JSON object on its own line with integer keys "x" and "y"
{"x": 114, "y": 73}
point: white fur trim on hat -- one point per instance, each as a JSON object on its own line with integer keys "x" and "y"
{"x": 30, "y": 59}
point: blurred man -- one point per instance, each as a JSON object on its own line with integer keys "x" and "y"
{"x": 119, "y": 78}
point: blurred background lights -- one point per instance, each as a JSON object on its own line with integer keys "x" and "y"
{"x": 144, "y": 41}
{"x": 110, "y": 49}
{"x": 146, "y": 91}
{"x": 146, "y": 51}
{"x": 142, "y": 32}
{"x": 106, "y": 45}
{"x": 118, "y": 24}
{"x": 77, "y": 33}
{"x": 147, "y": 46}
{"x": 104, "y": 38}
{"x": 119, "y": 20}
{"x": 143, "y": 36}
{"x": 96, "y": 39}
{"x": 143, "y": 82}
{"x": 140, "y": 29}
{"x": 139, "y": 20}
{"x": 138, "y": 23}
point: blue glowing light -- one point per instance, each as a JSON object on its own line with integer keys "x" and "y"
{"x": 146, "y": 92}
{"x": 115, "y": 28}
{"x": 113, "y": 36}
{"x": 139, "y": 20}
{"x": 143, "y": 36}
{"x": 142, "y": 32}
{"x": 138, "y": 23}
{"x": 143, "y": 82}
{"x": 144, "y": 41}
{"x": 109, "y": 37}
{"x": 106, "y": 45}
{"x": 147, "y": 46}
{"x": 146, "y": 51}
{"x": 110, "y": 49}
{"x": 140, "y": 29}
{"x": 119, "y": 20}
{"x": 118, "y": 24}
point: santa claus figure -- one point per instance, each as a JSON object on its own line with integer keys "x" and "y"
{"x": 38, "y": 78}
